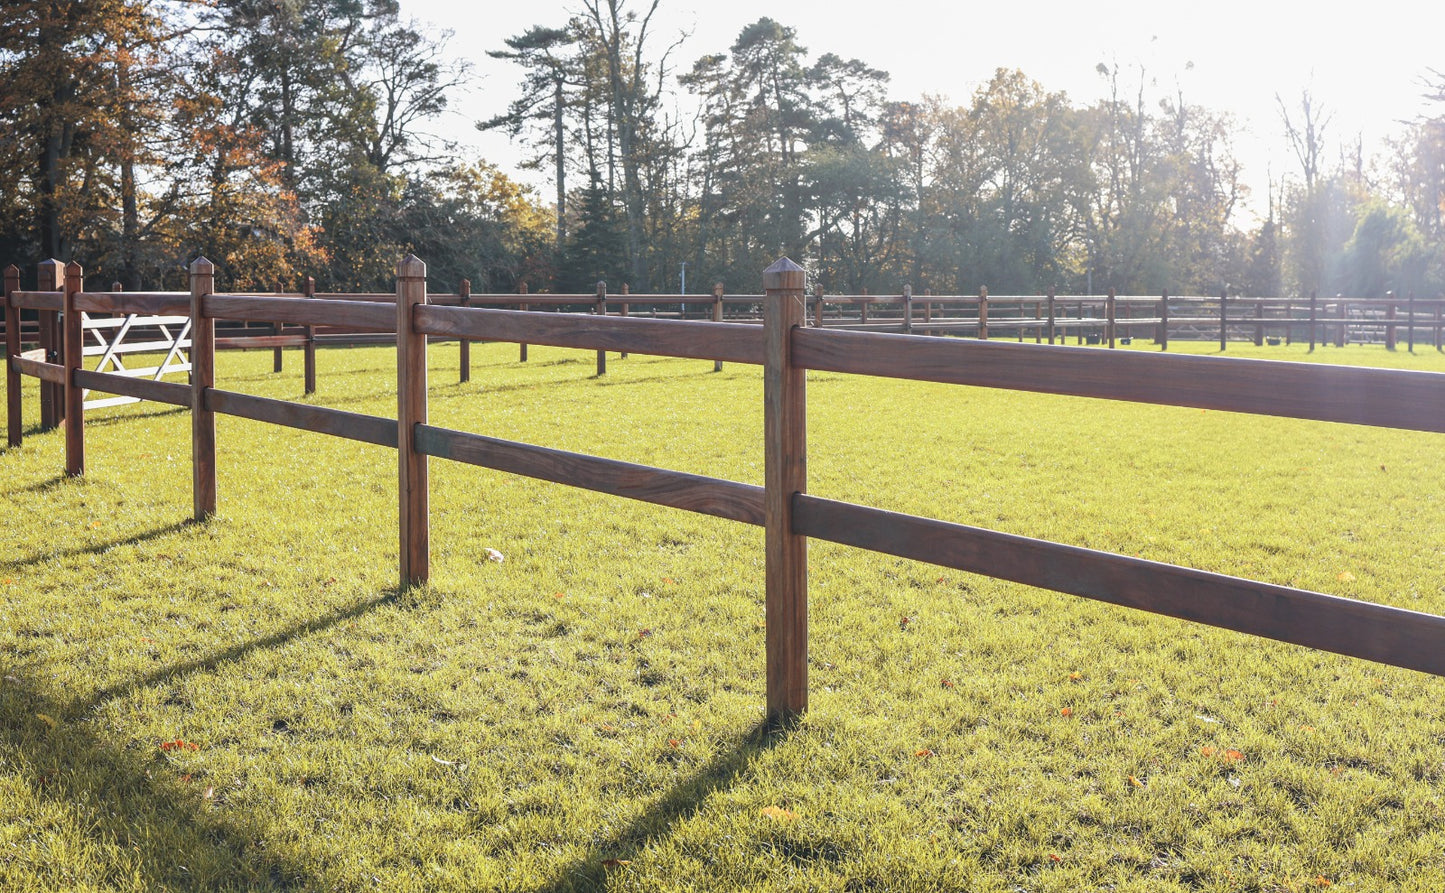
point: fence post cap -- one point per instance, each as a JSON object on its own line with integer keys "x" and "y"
{"x": 411, "y": 267}
{"x": 201, "y": 267}
{"x": 74, "y": 267}
{"x": 783, "y": 275}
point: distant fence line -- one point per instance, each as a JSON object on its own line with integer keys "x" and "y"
{"x": 786, "y": 347}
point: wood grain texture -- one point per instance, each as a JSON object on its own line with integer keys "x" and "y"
{"x": 168, "y": 392}
{"x": 1382, "y": 397}
{"x": 336, "y": 422}
{"x": 676, "y": 489}
{"x": 411, "y": 381}
{"x": 14, "y": 430}
{"x": 203, "y": 377}
{"x": 729, "y": 342}
{"x": 785, "y": 460}
{"x": 159, "y": 303}
{"x": 50, "y": 373}
{"x": 1374, "y": 632}
{"x": 73, "y": 345}
{"x": 260, "y": 342}
{"x": 303, "y": 311}
{"x": 39, "y": 300}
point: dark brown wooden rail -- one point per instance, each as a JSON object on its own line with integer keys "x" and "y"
{"x": 676, "y": 489}
{"x": 1383, "y": 397}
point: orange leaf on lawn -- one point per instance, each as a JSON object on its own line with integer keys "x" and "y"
{"x": 778, "y": 813}
{"x": 674, "y": 742}
{"x": 946, "y": 684}
{"x": 1321, "y": 881}
{"x": 1066, "y": 711}
{"x": 1075, "y": 677}
{"x": 1233, "y": 756}
{"x": 1056, "y": 857}
{"x": 1207, "y": 751}
{"x": 1135, "y": 782}
{"x": 923, "y": 753}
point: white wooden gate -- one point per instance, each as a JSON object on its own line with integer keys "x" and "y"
{"x": 174, "y": 338}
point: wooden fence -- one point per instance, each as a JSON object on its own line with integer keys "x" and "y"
{"x": 786, "y": 348}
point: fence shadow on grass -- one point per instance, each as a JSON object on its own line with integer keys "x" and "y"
{"x": 683, "y": 801}
{"x": 169, "y": 834}
{"x": 146, "y": 825}
{"x": 235, "y": 652}
{"x": 94, "y": 548}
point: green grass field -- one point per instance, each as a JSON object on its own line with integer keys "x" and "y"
{"x": 249, "y": 704}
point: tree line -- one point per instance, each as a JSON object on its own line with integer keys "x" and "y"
{"x": 280, "y": 138}
{"x": 288, "y": 137}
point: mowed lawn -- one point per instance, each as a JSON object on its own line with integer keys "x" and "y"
{"x": 249, "y": 704}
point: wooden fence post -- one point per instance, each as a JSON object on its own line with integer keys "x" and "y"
{"x": 983, "y": 313}
{"x": 1410, "y": 324}
{"x": 1390, "y": 341}
{"x": 601, "y": 310}
{"x": 1314, "y": 318}
{"x": 50, "y": 276}
{"x": 1052, "y": 317}
{"x": 308, "y": 290}
{"x": 1223, "y": 318}
{"x": 717, "y": 315}
{"x": 15, "y": 431}
{"x": 907, "y": 302}
{"x": 627, "y": 290}
{"x": 203, "y": 377}
{"x": 1342, "y": 334}
{"x": 1439, "y": 330}
{"x": 278, "y": 357}
{"x": 1164, "y": 320}
{"x": 928, "y": 306}
{"x": 1109, "y": 311}
{"x": 818, "y": 305}
{"x": 1259, "y": 326}
{"x": 410, "y": 412}
{"x": 785, "y": 474}
{"x": 465, "y": 349}
{"x": 73, "y": 345}
{"x": 522, "y": 353}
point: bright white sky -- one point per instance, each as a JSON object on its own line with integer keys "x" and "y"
{"x": 1366, "y": 62}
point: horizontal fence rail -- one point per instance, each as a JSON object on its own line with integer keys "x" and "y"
{"x": 788, "y": 344}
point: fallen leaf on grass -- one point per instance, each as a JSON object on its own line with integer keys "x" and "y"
{"x": 1055, "y": 857}
{"x": 210, "y": 793}
{"x": 559, "y": 595}
{"x": 1075, "y": 677}
{"x": 924, "y": 753}
{"x": 441, "y": 762}
{"x": 1321, "y": 880}
{"x": 1135, "y": 782}
{"x": 1345, "y": 577}
{"x": 674, "y": 743}
{"x": 778, "y": 813}
{"x": 644, "y": 633}
{"x": 494, "y": 555}
{"x": 1066, "y": 711}
{"x": 1233, "y": 756}
{"x": 179, "y": 744}
{"x": 1206, "y": 751}
{"x": 47, "y": 719}
{"x": 945, "y": 683}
